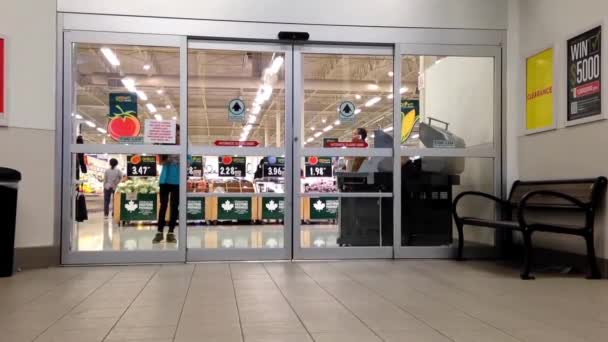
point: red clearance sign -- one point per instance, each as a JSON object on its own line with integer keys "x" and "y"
{"x": 2, "y": 80}
{"x": 236, "y": 143}
{"x": 347, "y": 144}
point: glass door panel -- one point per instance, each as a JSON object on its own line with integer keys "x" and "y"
{"x": 238, "y": 112}
{"x": 343, "y": 151}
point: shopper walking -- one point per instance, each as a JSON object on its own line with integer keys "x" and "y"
{"x": 111, "y": 178}
{"x": 169, "y": 196}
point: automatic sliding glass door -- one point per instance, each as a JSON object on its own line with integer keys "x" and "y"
{"x": 343, "y": 152}
{"x": 239, "y": 134}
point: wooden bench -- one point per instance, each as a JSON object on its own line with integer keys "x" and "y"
{"x": 578, "y": 195}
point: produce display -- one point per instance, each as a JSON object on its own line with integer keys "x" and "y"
{"x": 141, "y": 185}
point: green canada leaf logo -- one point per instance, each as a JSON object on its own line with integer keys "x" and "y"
{"x": 131, "y": 206}
{"x": 272, "y": 205}
{"x": 227, "y": 206}
{"x": 319, "y": 205}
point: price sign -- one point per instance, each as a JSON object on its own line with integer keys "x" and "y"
{"x": 196, "y": 167}
{"x": 141, "y": 166}
{"x": 274, "y": 167}
{"x": 318, "y": 167}
{"x": 229, "y": 166}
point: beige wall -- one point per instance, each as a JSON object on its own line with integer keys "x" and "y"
{"x": 28, "y": 144}
{"x": 482, "y": 14}
{"x": 566, "y": 152}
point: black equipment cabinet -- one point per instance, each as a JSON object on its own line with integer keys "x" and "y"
{"x": 426, "y": 207}
{"x": 366, "y": 221}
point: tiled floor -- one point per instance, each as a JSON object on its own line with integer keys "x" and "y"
{"x": 422, "y": 301}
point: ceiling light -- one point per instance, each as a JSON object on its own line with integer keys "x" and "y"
{"x": 158, "y": 117}
{"x": 372, "y": 86}
{"x": 373, "y": 136}
{"x": 248, "y": 128}
{"x": 251, "y": 119}
{"x": 151, "y": 107}
{"x": 276, "y": 65}
{"x": 312, "y": 128}
{"x": 357, "y": 111}
{"x": 78, "y": 116}
{"x": 256, "y": 110}
{"x": 415, "y": 136}
{"x": 90, "y": 124}
{"x": 403, "y": 90}
{"x": 388, "y": 129}
{"x": 373, "y": 101}
{"x": 318, "y": 134}
{"x": 310, "y": 139}
{"x": 129, "y": 83}
{"x": 147, "y": 67}
{"x": 160, "y": 91}
{"x": 328, "y": 128}
{"x": 389, "y": 96}
{"x": 110, "y": 56}
{"x": 390, "y": 74}
{"x": 174, "y": 118}
{"x": 438, "y": 61}
{"x": 337, "y": 123}
{"x": 168, "y": 106}
{"x": 358, "y": 97}
{"x": 142, "y": 95}
{"x": 324, "y": 120}
{"x": 101, "y": 130}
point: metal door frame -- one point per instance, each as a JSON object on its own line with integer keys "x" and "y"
{"x": 285, "y": 253}
{"x": 75, "y": 27}
{"x": 299, "y": 152}
{"x": 494, "y": 151}
{"x": 70, "y": 256}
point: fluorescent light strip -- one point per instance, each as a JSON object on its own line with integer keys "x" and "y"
{"x": 318, "y": 134}
{"x": 328, "y": 128}
{"x": 158, "y": 117}
{"x": 90, "y": 124}
{"x": 151, "y": 107}
{"x": 388, "y": 129}
{"x": 110, "y": 56}
{"x": 373, "y": 101}
{"x": 101, "y": 130}
{"x": 310, "y": 139}
{"x": 142, "y": 95}
{"x": 129, "y": 83}
{"x": 403, "y": 90}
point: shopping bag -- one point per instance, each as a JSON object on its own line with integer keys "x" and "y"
{"x": 81, "y": 208}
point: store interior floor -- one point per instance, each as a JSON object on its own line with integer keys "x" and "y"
{"x": 412, "y": 300}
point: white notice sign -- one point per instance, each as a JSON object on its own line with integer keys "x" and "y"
{"x": 159, "y": 131}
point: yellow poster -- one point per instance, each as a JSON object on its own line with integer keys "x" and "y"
{"x": 539, "y": 91}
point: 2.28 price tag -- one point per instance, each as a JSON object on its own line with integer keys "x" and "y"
{"x": 231, "y": 166}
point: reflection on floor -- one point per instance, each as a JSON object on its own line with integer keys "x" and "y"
{"x": 98, "y": 234}
{"x": 391, "y": 301}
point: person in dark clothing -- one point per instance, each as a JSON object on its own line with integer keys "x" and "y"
{"x": 169, "y": 196}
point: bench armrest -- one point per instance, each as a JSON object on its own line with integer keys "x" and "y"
{"x": 523, "y": 203}
{"x": 476, "y": 194}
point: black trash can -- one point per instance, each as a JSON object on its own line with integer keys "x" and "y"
{"x": 9, "y": 180}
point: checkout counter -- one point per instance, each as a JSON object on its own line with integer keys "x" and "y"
{"x": 426, "y": 194}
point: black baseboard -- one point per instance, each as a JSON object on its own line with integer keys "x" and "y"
{"x": 37, "y": 257}
{"x": 544, "y": 258}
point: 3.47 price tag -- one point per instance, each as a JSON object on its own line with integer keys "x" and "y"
{"x": 141, "y": 166}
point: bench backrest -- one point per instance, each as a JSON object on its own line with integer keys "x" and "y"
{"x": 587, "y": 190}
